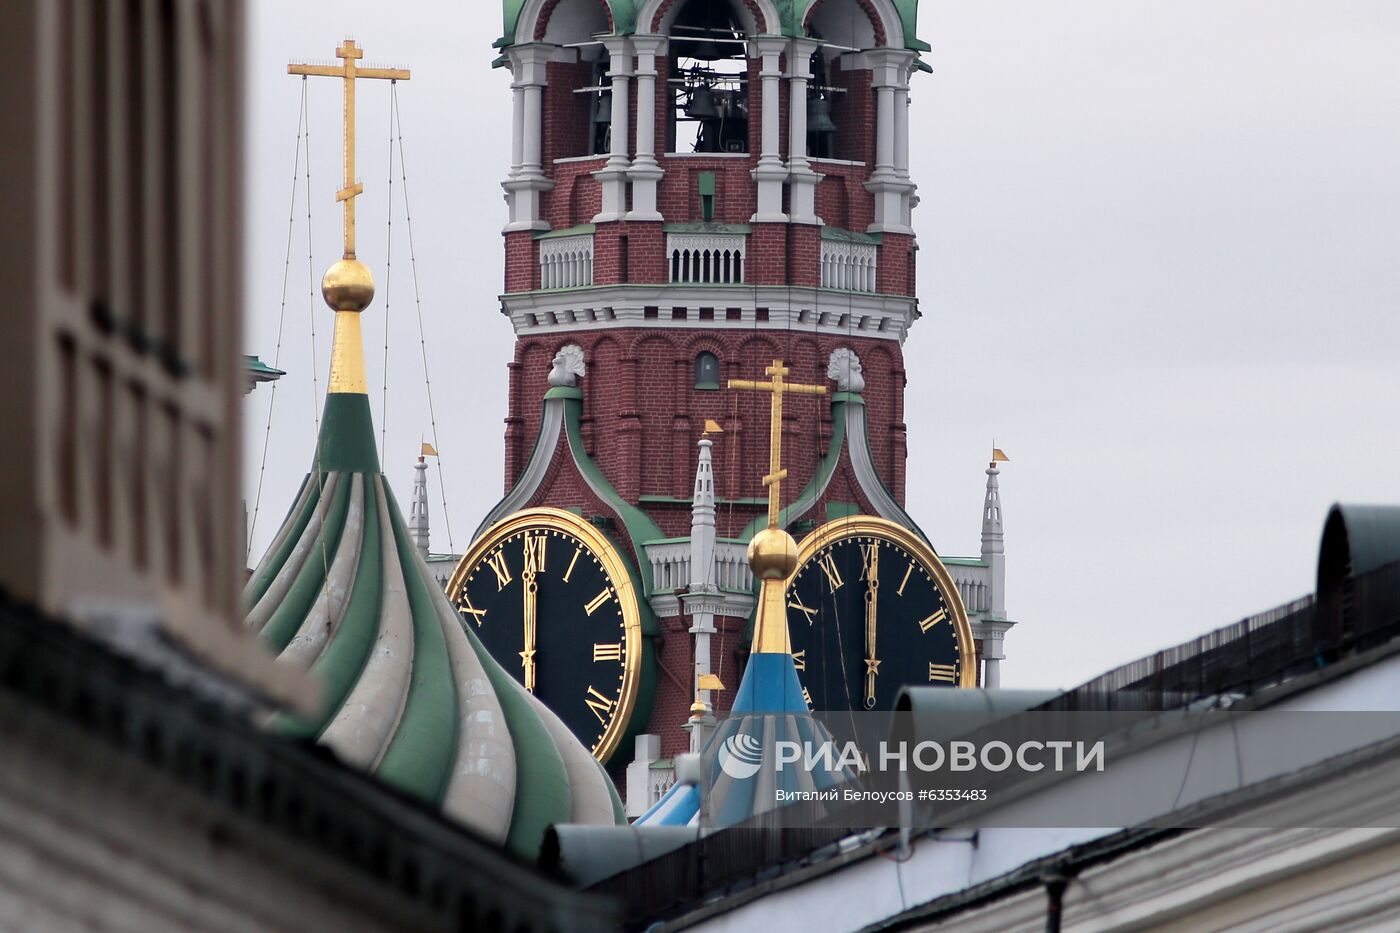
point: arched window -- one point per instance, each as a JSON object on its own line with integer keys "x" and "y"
{"x": 707, "y": 371}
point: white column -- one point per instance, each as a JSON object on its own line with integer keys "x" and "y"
{"x": 517, "y": 139}
{"x": 769, "y": 174}
{"x": 802, "y": 181}
{"x": 527, "y": 181}
{"x": 645, "y": 173}
{"x": 612, "y": 177}
{"x": 892, "y": 189}
{"x": 991, "y": 673}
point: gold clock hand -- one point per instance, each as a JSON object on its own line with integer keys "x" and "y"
{"x": 872, "y": 663}
{"x": 527, "y": 657}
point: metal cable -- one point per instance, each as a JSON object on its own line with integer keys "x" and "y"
{"x": 281, "y": 318}
{"x": 418, "y": 302}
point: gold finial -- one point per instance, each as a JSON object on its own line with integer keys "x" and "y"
{"x": 348, "y": 286}
{"x": 773, "y": 552}
{"x": 698, "y": 709}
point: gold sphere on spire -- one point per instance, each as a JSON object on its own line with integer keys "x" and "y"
{"x": 698, "y": 709}
{"x": 348, "y": 286}
{"x": 773, "y": 554}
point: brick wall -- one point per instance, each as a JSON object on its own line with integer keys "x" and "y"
{"x": 567, "y": 117}
{"x": 842, "y": 200}
{"x": 522, "y": 261}
{"x": 895, "y": 272}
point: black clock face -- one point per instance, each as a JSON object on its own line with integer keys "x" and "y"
{"x": 544, "y": 604}
{"x": 868, "y": 616}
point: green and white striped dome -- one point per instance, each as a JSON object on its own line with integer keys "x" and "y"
{"x": 409, "y": 695}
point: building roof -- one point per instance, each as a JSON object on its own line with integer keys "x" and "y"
{"x": 150, "y": 719}
{"x": 409, "y": 694}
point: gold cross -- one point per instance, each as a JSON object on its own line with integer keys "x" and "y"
{"x": 776, "y": 385}
{"x": 349, "y": 53}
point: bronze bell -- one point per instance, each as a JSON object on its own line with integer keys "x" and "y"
{"x": 603, "y": 112}
{"x": 702, "y": 104}
{"x": 819, "y": 115}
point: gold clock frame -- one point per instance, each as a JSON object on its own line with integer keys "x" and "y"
{"x": 850, "y": 526}
{"x": 619, "y": 575}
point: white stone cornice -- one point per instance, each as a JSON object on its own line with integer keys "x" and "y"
{"x": 797, "y": 310}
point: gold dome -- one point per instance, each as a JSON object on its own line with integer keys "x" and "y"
{"x": 773, "y": 554}
{"x": 348, "y": 286}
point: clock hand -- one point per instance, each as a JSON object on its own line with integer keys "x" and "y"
{"x": 872, "y": 663}
{"x": 527, "y": 657}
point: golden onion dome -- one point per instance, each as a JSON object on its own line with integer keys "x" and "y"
{"x": 348, "y": 286}
{"x": 773, "y": 554}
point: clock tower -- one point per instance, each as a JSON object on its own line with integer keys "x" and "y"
{"x": 697, "y": 189}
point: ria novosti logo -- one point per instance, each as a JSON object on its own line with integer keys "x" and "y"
{"x": 740, "y": 756}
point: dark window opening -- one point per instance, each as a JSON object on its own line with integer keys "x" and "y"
{"x": 707, "y": 371}
{"x": 709, "y": 80}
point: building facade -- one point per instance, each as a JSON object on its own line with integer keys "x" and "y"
{"x": 698, "y": 188}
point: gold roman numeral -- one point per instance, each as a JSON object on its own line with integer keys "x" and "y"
{"x": 534, "y": 553}
{"x": 799, "y": 660}
{"x": 796, "y": 603}
{"x": 807, "y": 697}
{"x": 497, "y": 562}
{"x": 907, "y": 570}
{"x": 944, "y": 673}
{"x": 607, "y": 653}
{"x": 465, "y": 607}
{"x": 601, "y": 705}
{"x": 597, "y": 602}
{"x": 573, "y": 560}
{"x": 833, "y": 576}
{"x": 933, "y": 620}
{"x": 870, "y": 561}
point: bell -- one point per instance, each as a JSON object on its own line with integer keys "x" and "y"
{"x": 603, "y": 112}
{"x": 819, "y": 116}
{"x": 702, "y": 104}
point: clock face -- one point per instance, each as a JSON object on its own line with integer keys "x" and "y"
{"x": 872, "y": 609}
{"x": 552, "y": 600}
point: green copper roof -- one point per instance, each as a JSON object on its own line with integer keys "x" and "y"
{"x": 408, "y": 693}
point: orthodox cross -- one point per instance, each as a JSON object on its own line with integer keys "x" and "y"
{"x": 778, "y": 387}
{"x": 349, "y": 53}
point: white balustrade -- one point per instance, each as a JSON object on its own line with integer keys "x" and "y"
{"x": 566, "y": 261}
{"x": 848, "y": 266}
{"x": 715, "y": 258}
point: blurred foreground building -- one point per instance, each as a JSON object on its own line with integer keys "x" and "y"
{"x": 138, "y": 790}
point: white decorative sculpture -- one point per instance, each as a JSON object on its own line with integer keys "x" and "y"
{"x": 568, "y": 366}
{"x": 844, "y": 366}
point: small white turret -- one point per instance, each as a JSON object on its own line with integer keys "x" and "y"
{"x": 994, "y": 556}
{"x": 418, "y": 508}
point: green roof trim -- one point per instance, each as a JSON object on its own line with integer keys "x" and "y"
{"x": 682, "y": 500}
{"x": 347, "y": 435}
{"x": 700, "y": 226}
{"x": 964, "y": 561}
{"x": 256, "y": 366}
{"x": 419, "y": 758}
{"x": 575, "y": 230}
{"x": 851, "y": 236}
{"x": 639, "y": 525}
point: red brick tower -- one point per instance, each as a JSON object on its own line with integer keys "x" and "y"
{"x": 699, "y": 187}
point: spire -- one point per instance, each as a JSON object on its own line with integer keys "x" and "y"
{"x": 991, "y": 514}
{"x": 702, "y": 518}
{"x": 418, "y": 508}
{"x": 993, "y": 550}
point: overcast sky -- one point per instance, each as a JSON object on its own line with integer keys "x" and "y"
{"x": 1157, "y": 263}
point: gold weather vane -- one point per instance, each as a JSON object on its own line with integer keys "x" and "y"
{"x": 773, "y": 552}
{"x": 348, "y": 286}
